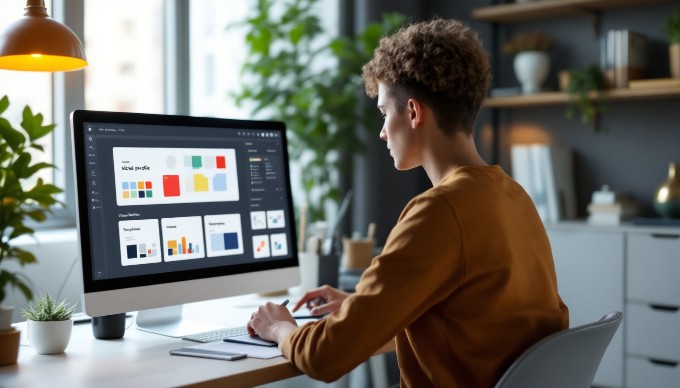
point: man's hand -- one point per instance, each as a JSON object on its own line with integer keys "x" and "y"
{"x": 322, "y": 300}
{"x": 272, "y": 322}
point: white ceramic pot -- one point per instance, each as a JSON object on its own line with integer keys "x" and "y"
{"x": 50, "y": 337}
{"x": 531, "y": 69}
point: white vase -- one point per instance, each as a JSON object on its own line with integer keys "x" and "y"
{"x": 49, "y": 337}
{"x": 531, "y": 69}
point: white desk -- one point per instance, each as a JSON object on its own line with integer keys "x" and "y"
{"x": 141, "y": 359}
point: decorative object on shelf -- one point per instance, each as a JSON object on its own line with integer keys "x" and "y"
{"x": 608, "y": 208}
{"x": 583, "y": 81}
{"x": 667, "y": 196}
{"x": 531, "y": 69}
{"x": 624, "y": 57}
{"x": 23, "y": 196}
{"x": 563, "y": 78}
{"x": 49, "y": 324}
{"x": 672, "y": 29}
{"x": 532, "y": 62}
{"x": 38, "y": 43}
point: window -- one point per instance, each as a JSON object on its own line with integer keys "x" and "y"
{"x": 217, "y": 54}
{"x": 124, "y": 46}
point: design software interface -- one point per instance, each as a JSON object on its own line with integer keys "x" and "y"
{"x": 167, "y": 199}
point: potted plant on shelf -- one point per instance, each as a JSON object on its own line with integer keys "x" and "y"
{"x": 672, "y": 29}
{"x": 531, "y": 62}
{"x": 49, "y": 324}
{"x": 296, "y": 74}
{"x": 23, "y": 196}
{"x": 582, "y": 82}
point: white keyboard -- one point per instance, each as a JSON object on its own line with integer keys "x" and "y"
{"x": 217, "y": 335}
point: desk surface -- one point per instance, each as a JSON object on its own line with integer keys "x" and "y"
{"x": 142, "y": 359}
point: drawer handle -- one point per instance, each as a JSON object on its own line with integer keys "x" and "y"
{"x": 662, "y": 235}
{"x": 667, "y": 363}
{"x": 660, "y": 307}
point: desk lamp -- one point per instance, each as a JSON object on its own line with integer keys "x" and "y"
{"x": 38, "y": 43}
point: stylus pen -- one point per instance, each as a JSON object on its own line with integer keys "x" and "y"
{"x": 285, "y": 303}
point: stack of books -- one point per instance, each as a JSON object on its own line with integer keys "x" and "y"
{"x": 546, "y": 174}
{"x": 606, "y": 208}
{"x": 623, "y": 57}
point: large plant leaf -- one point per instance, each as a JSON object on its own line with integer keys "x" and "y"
{"x": 4, "y": 104}
{"x": 14, "y": 138}
{"x": 32, "y": 124}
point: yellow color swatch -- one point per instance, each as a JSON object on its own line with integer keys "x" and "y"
{"x": 200, "y": 182}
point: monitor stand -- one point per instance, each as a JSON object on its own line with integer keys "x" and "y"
{"x": 168, "y": 321}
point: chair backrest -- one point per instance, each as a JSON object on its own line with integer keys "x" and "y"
{"x": 568, "y": 358}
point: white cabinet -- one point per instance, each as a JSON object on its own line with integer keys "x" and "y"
{"x": 653, "y": 309}
{"x": 634, "y": 270}
{"x": 590, "y": 278}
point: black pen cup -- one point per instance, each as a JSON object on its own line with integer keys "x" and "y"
{"x": 109, "y": 326}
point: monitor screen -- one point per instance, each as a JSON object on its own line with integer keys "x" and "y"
{"x": 178, "y": 209}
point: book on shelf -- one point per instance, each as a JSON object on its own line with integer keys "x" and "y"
{"x": 623, "y": 57}
{"x": 546, "y": 174}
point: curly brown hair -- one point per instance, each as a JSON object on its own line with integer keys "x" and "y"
{"x": 440, "y": 62}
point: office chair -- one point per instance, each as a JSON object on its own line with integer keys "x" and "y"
{"x": 568, "y": 358}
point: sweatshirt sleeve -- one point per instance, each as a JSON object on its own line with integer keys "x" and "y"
{"x": 420, "y": 265}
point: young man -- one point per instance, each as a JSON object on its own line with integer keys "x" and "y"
{"x": 466, "y": 280}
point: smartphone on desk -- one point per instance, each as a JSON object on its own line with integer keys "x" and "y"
{"x": 250, "y": 340}
{"x": 206, "y": 353}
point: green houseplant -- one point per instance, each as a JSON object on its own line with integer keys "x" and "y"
{"x": 23, "y": 197}
{"x": 582, "y": 82}
{"x": 49, "y": 324}
{"x": 671, "y": 27}
{"x": 287, "y": 77}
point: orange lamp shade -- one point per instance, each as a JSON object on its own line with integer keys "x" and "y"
{"x": 36, "y": 42}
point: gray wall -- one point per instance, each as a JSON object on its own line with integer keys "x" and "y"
{"x": 632, "y": 156}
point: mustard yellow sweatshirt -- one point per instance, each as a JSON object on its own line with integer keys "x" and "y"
{"x": 465, "y": 283}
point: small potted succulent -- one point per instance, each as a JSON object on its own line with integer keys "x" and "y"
{"x": 531, "y": 62}
{"x": 49, "y": 324}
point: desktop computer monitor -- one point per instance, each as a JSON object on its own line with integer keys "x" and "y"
{"x": 179, "y": 209}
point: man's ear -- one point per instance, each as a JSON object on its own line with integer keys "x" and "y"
{"x": 416, "y": 112}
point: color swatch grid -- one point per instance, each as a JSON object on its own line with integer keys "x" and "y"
{"x": 139, "y": 189}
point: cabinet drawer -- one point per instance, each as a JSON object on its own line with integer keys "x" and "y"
{"x": 645, "y": 373}
{"x": 653, "y": 268}
{"x": 653, "y": 331}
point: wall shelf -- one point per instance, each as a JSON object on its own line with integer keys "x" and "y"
{"x": 516, "y": 12}
{"x": 557, "y": 98}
